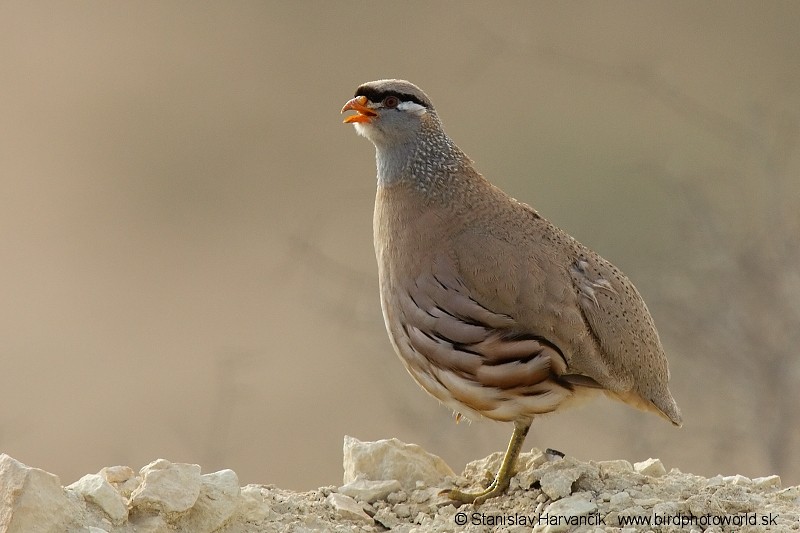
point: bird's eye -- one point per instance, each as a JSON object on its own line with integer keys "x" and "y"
{"x": 391, "y": 102}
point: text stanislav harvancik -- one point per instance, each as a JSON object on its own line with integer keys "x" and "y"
{"x": 519, "y": 519}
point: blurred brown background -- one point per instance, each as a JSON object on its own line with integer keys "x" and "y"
{"x": 186, "y": 263}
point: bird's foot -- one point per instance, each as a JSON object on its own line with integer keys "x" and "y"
{"x": 477, "y": 498}
{"x": 503, "y": 478}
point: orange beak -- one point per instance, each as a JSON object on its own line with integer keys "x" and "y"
{"x": 363, "y": 113}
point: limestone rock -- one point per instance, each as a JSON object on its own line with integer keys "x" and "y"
{"x": 117, "y": 474}
{"x": 573, "y": 506}
{"x": 96, "y": 489}
{"x": 167, "y": 487}
{"x": 557, "y": 478}
{"x": 620, "y": 500}
{"x": 219, "y": 495}
{"x": 252, "y": 506}
{"x": 650, "y": 467}
{"x": 348, "y": 508}
{"x": 392, "y": 460}
{"x": 616, "y": 465}
{"x": 150, "y": 524}
{"x": 33, "y": 500}
{"x": 767, "y": 482}
{"x": 122, "y": 478}
{"x": 737, "y": 480}
{"x": 364, "y": 490}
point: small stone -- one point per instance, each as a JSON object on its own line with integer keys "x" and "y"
{"x": 218, "y": 498}
{"x": 167, "y": 487}
{"x": 531, "y": 460}
{"x": 650, "y": 467}
{"x": 149, "y": 524}
{"x": 737, "y": 480}
{"x": 558, "y": 483}
{"x": 402, "y": 510}
{"x": 576, "y": 505}
{"x": 96, "y": 489}
{"x": 397, "y": 497}
{"x": 767, "y": 482}
{"x": 425, "y": 495}
{"x": 621, "y": 500}
{"x": 117, "y": 474}
{"x": 32, "y": 499}
{"x": 122, "y": 478}
{"x": 387, "y": 518}
{"x": 392, "y": 459}
{"x": 667, "y": 509}
{"x": 348, "y": 508}
{"x": 617, "y": 465}
{"x": 646, "y": 502}
{"x": 252, "y": 504}
{"x": 789, "y": 494}
{"x": 364, "y": 490}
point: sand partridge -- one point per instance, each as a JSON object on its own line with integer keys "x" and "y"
{"x": 492, "y": 309}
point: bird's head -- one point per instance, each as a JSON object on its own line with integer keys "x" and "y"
{"x": 389, "y": 112}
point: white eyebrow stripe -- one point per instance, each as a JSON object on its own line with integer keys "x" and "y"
{"x": 413, "y": 107}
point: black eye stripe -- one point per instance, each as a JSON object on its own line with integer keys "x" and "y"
{"x": 374, "y": 95}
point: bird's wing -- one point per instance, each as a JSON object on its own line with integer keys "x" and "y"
{"x": 616, "y": 313}
{"x": 479, "y": 355}
{"x": 525, "y": 275}
{"x": 624, "y": 329}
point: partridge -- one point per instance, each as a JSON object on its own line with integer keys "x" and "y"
{"x": 492, "y": 309}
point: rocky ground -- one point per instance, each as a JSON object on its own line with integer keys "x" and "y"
{"x": 392, "y": 486}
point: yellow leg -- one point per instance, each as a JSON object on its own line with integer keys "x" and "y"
{"x": 503, "y": 477}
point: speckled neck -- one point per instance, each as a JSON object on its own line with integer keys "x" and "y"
{"x": 430, "y": 157}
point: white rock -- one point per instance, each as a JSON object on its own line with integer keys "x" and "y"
{"x": 95, "y": 489}
{"x": 665, "y": 509}
{"x": 616, "y": 465}
{"x": 364, "y": 490}
{"x": 620, "y": 500}
{"x": 392, "y": 460}
{"x": 557, "y": 483}
{"x": 117, "y": 474}
{"x": 122, "y": 478}
{"x": 402, "y": 510}
{"x": 530, "y": 460}
{"x": 167, "y": 487}
{"x": 646, "y": 502}
{"x": 737, "y": 480}
{"x": 219, "y": 495}
{"x": 767, "y": 482}
{"x": 576, "y": 505}
{"x": 348, "y": 508}
{"x": 253, "y": 506}
{"x": 528, "y": 471}
{"x": 149, "y": 524}
{"x": 388, "y": 518}
{"x": 32, "y": 500}
{"x": 651, "y": 467}
{"x": 397, "y": 497}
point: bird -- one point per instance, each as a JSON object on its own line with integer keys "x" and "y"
{"x": 491, "y": 308}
